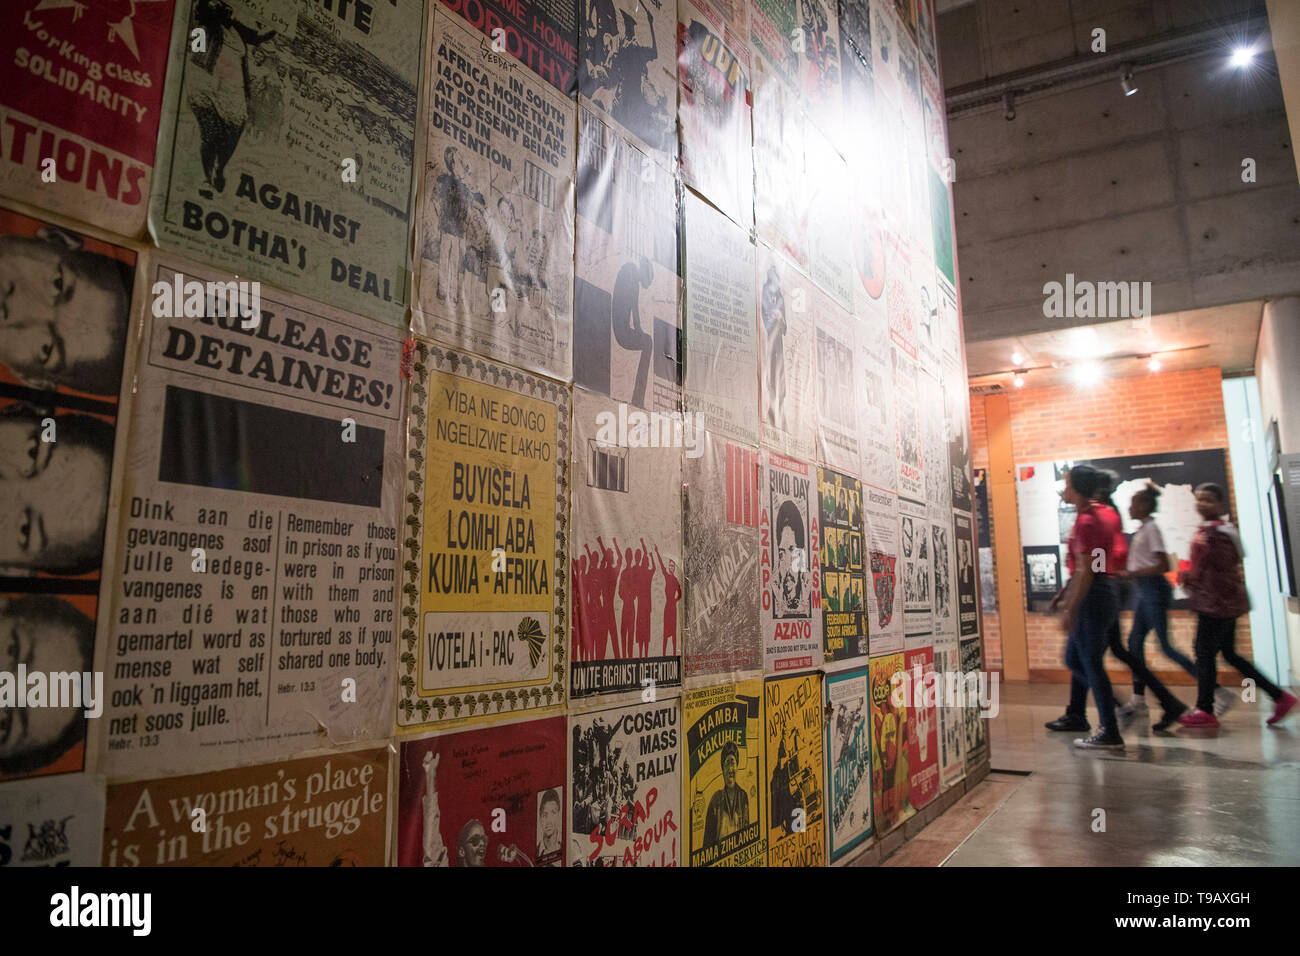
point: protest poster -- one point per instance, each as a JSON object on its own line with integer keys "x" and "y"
{"x": 944, "y": 622}
{"x": 787, "y": 345}
{"x": 830, "y": 218}
{"x": 625, "y": 786}
{"x": 56, "y": 821}
{"x": 974, "y": 740}
{"x": 796, "y": 828}
{"x": 878, "y": 435}
{"x": 819, "y": 65}
{"x": 625, "y": 569}
{"x": 947, "y": 665}
{"x": 781, "y": 182}
{"x": 934, "y": 445}
{"x": 495, "y": 227}
{"x": 915, "y": 552}
{"x": 81, "y": 92}
{"x": 844, "y": 603}
{"x": 957, "y": 427}
{"x": 923, "y": 735}
{"x": 968, "y": 623}
{"x": 725, "y": 744}
{"x": 627, "y": 321}
{"x": 885, "y": 593}
{"x": 848, "y": 761}
{"x": 542, "y": 35}
{"x": 287, "y": 146}
{"x": 789, "y": 564}
{"x": 488, "y": 797}
{"x": 908, "y": 397}
{"x": 890, "y": 742}
{"x": 484, "y": 609}
{"x": 773, "y": 33}
{"x": 838, "y": 425}
{"x": 328, "y": 810}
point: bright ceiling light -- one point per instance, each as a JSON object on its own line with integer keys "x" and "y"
{"x": 1242, "y": 56}
{"x": 1016, "y": 358}
{"x": 1154, "y": 364}
{"x": 1088, "y": 373}
{"x": 1019, "y": 380}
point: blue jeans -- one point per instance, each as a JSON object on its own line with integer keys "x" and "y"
{"x": 1086, "y": 646}
{"x": 1150, "y": 612}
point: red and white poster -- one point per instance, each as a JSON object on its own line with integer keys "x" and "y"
{"x": 923, "y": 741}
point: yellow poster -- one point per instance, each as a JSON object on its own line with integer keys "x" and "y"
{"x": 724, "y": 760}
{"x": 792, "y": 717}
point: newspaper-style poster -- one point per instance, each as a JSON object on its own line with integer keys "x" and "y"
{"x": 495, "y": 235}
{"x": 627, "y": 323}
{"x": 830, "y": 222}
{"x": 53, "y": 822}
{"x": 721, "y": 506}
{"x": 934, "y": 445}
{"x": 713, "y": 108}
{"x": 855, "y": 25}
{"x": 907, "y": 418}
{"x": 781, "y": 182}
{"x": 725, "y": 743}
{"x": 486, "y": 554}
{"x": 901, "y": 299}
{"x": 884, "y": 36}
{"x": 81, "y": 85}
{"x": 944, "y": 624}
{"x": 926, "y": 30}
{"x": 61, "y": 367}
{"x": 328, "y": 810}
{"x": 542, "y": 35}
{"x": 721, "y": 329}
{"x": 877, "y": 434}
{"x": 627, "y": 70}
{"x": 787, "y": 350}
{"x": 968, "y": 624}
{"x": 957, "y": 426}
{"x": 884, "y": 559}
{"x": 952, "y": 763}
{"x": 838, "y": 421}
{"x": 890, "y": 742}
{"x": 949, "y": 324}
{"x": 974, "y": 740}
{"x": 625, "y": 568}
{"x": 929, "y": 349}
{"x": 625, "y": 786}
{"x": 489, "y": 797}
{"x": 254, "y": 576}
{"x": 819, "y": 64}
{"x": 287, "y": 146}
{"x": 843, "y": 558}
{"x": 916, "y": 548}
{"x": 796, "y": 771}
{"x": 848, "y": 761}
{"x": 789, "y": 565}
{"x": 773, "y": 26}
{"x": 923, "y": 741}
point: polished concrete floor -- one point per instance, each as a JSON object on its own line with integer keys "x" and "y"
{"x": 1233, "y": 800}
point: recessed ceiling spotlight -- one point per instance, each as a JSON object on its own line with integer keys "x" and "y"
{"x": 1088, "y": 373}
{"x": 1020, "y": 380}
{"x": 1126, "y": 80}
{"x": 1009, "y": 105}
{"x": 1242, "y": 57}
{"x": 1016, "y": 358}
{"x": 1153, "y": 364}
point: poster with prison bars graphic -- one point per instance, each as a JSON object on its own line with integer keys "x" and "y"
{"x": 726, "y": 790}
{"x": 626, "y": 567}
{"x": 287, "y": 147}
{"x": 885, "y": 564}
{"x": 848, "y": 761}
{"x": 495, "y": 228}
{"x": 796, "y": 770}
{"x": 843, "y": 557}
{"x": 720, "y": 505}
{"x": 627, "y": 323}
{"x": 787, "y": 349}
{"x": 255, "y": 591}
{"x": 838, "y": 424}
{"x": 484, "y": 560}
{"x": 789, "y": 563}
{"x": 627, "y": 71}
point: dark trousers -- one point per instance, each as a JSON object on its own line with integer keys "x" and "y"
{"x": 1085, "y": 648}
{"x": 1151, "y": 613}
{"x": 1214, "y": 636}
{"x": 1079, "y": 690}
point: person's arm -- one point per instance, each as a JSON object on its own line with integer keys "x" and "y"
{"x": 659, "y": 558}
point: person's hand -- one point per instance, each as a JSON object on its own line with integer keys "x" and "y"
{"x": 1068, "y": 619}
{"x": 1055, "y": 605}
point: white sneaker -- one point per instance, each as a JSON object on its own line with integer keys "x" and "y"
{"x": 1224, "y": 700}
{"x": 1136, "y": 705}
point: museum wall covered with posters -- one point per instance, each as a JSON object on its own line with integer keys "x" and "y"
{"x": 464, "y": 433}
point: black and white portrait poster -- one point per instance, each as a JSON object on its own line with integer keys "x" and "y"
{"x": 878, "y": 431}
{"x": 944, "y": 622}
{"x": 721, "y": 323}
{"x": 627, "y": 70}
{"x": 720, "y": 539}
{"x": 843, "y": 558}
{"x": 974, "y": 739}
{"x": 830, "y": 218}
{"x": 1043, "y": 574}
{"x": 495, "y": 231}
{"x": 627, "y": 323}
{"x": 53, "y": 821}
{"x": 848, "y": 760}
{"x": 789, "y": 564}
{"x": 934, "y": 445}
{"x": 916, "y": 549}
{"x": 907, "y": 412}
{"x": 952, "y": 719}
{"x": 968, "y": 624}
{"x": 838, "y": 425}
{"x": 787, "y": 347}
{"x": 781, "y": 183}
{"x": 885, "y": 567}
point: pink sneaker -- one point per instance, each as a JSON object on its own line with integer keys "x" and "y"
{"x": 1198, "y": 718}
{"x": 1282, "y": 708}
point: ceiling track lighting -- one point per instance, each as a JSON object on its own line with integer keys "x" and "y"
{"x": 1126, "y": 80}
{"x": 1009, "y": 105}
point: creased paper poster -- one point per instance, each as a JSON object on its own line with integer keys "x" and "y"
{"x": 957, "y": 426}
{"x": 627, "y": 324}
{"x": 844, "y": 601}
{"x": 968, "y": 624}
{"x": 878, "y": 431}
{"x": 57, "y": 821}
{"x": 720, "y": 539}
{"x": 796, "y": 769}
{"x": 626, "y": 573}
{"x": 542, "y": 35}
{"x": 907, "y": 418}
{"x": 330, "y": 810}
{"x": 489, "y": 797}
{"x": 855, "y": 25}
{"x": 627, "y": 70}
{"x": 819, "y": 64}
{"x": 838, "y": 425}
{"x": 974, "y": 740}
{"x": 789, "y": 564}
{"x": 884, "y": 559}
{"x": 287, "y": 146}
{"x": 721, "y": 324}
{"x": 923, "y": 738}
{"x": 787, "y": 347}
{"x": 773, "y": 26}
{"x": 944, "y": 622}
{"x": 486, "y": 557}
{"x": 625, "y": 785}
{"x": 934, "y": 445}
{"x": 254, "y": 575}
{"x": 890, "y": 736}
{"x": 726, "y": 785}
{"x": 780, "y": 177}
{"x": 82, "y": 84}
{"x": 713, "y": 73}
{"x": 848, "y": 761}
{"x": 952, "y": 764}
{"x": 61, "y": 366}
{"x": 830, "y": 222}
{"x": 916, "y": 548}
{"x": 495, "y": 236}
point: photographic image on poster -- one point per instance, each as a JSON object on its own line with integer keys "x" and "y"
{"x": 957, "y": 426}
{"x": 543, "y": 36}
{"x": 890, "y": 742}
{"x": 56, "y": 821}
{"x": 789, "y": 564}
{"x": 878, "y": 433}
{"x": 720, "y": 539}
{"x": 484, "y": 613}
{"x": 328, "y": 810}
{"x": 625, "y": 566}
{"x": 98, "y": 120}
{"x": 830, "y": 223}
{"x": 627, "y": 324}
{"x": 923, "y": 736}
{"x": 968, "y": 619}
{"x": 256, "y": 134}
{"x": 488, "y": 797}
{"x": 837, "y": 396}
{"x": 625, "y": 786}
{"x": 796, "y": 827}
{"x": 848, "y": 760}
{"x": 1043, "y": 575}
{"x": 974, "y": 739}
{"x": 915, "y": 548}
{"x": 885, "y": 590}
{"x": 787, "y": 348}
{"x": 907, "y": 417}
{"x": 952, "y": 763}
{"x": 780, "y": 176}
{"x": 981, "y": 477}
{"x": 725, "y": 743}
{"x": 496, "y": 210}
{"x": 944, "y": 623}
{"x": 844, "y": 605}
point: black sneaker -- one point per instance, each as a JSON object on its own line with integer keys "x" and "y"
{"x": 1068, "y": 722}
{"x": 1168, "y": 719}
{"x": 1101, "y": 740}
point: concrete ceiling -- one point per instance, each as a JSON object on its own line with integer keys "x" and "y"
{"x": 1224, "y": 336}
{"x": 946, "y": 5}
